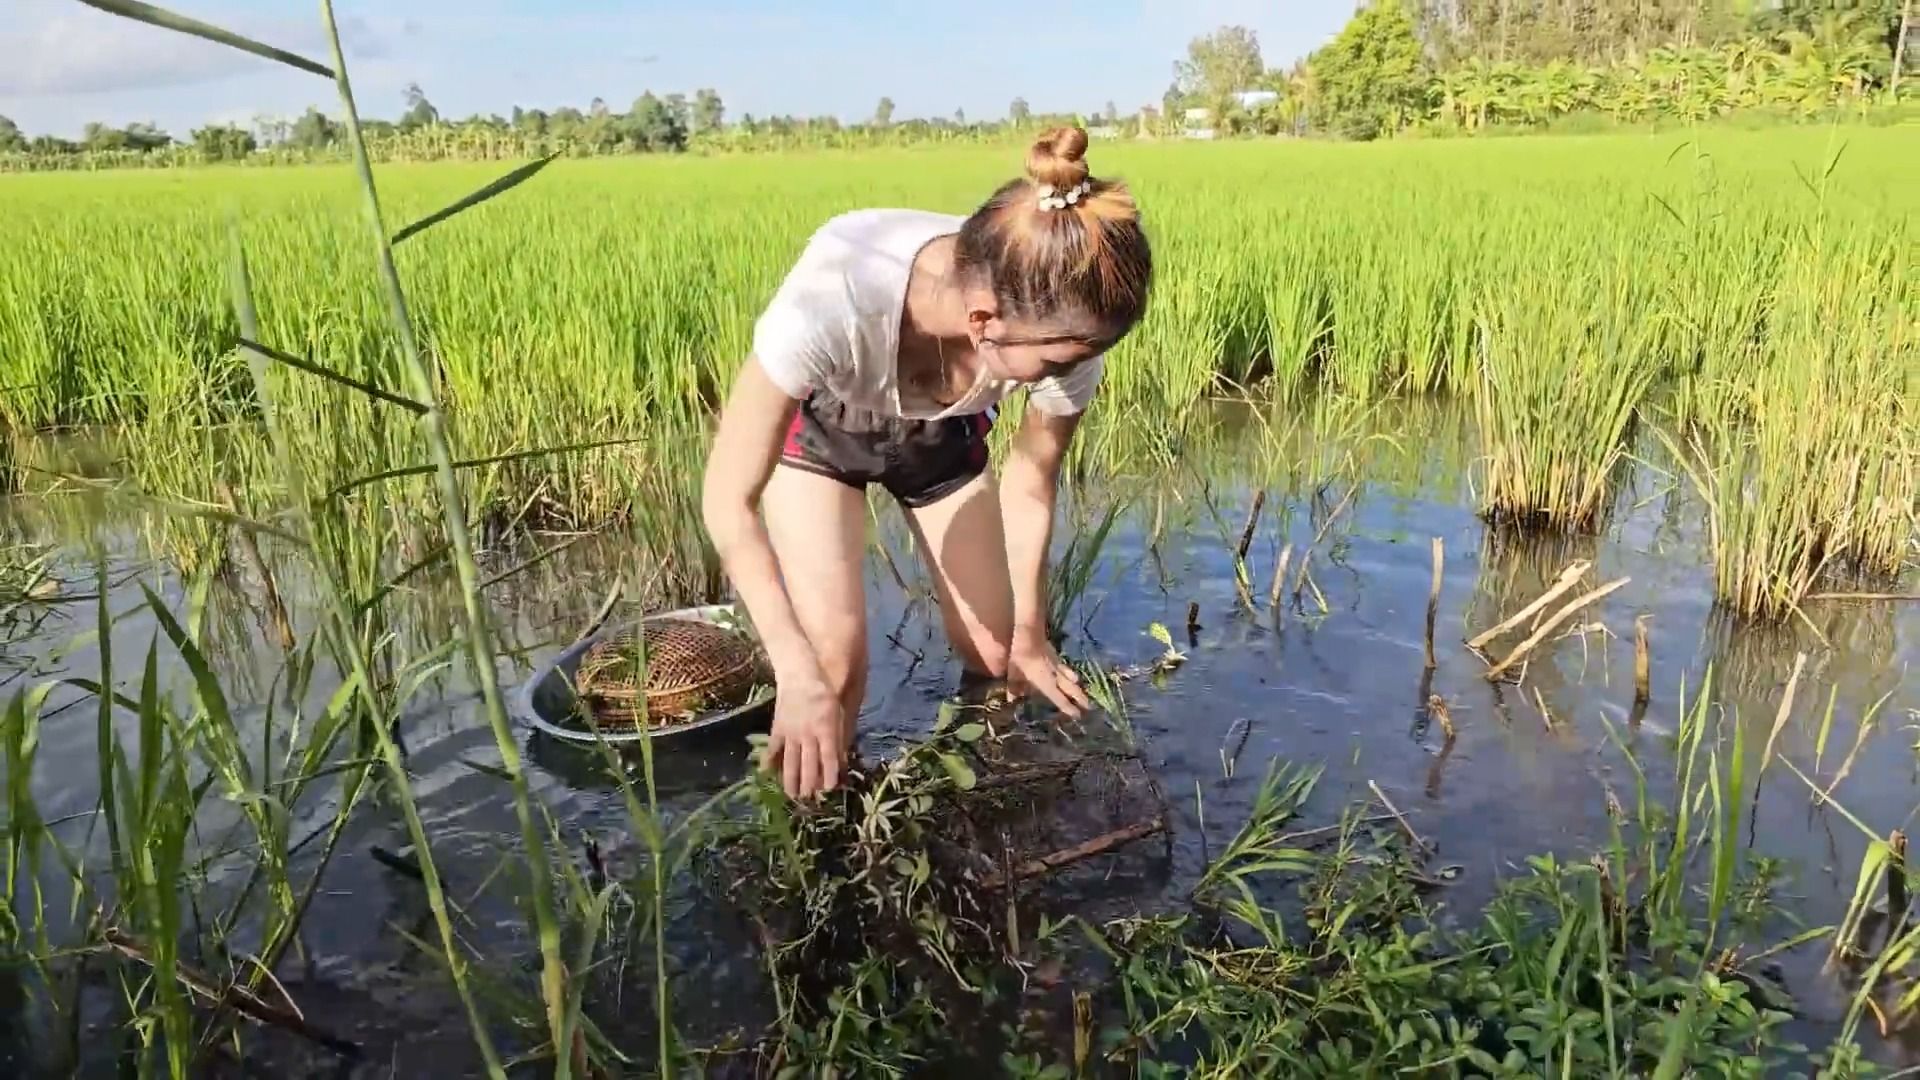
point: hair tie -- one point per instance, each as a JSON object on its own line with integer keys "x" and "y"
{"x": 1049, "y": 200}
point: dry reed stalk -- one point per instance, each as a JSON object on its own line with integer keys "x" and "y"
{"x": 1642, "y": 664}
{"x": 1547, "y": 628}
{"x": 1565, "y": 581}
{"x": 1897, "y": 896}
{"x": 1780, "y": 717}
{"x": 1246, "y": 533}
{"x": 1280, "y": 577}
{"x": 250, "y": 549}
{"x": 1433, "y": 598}
{"x": 1405, "y": 826}
{"x": 235, "y": 997}
{"x": 1437, "y": 708}
{"x": 1243, "y": 579}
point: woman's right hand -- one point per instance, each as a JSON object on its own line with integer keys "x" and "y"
{"x": 808, "y": 741}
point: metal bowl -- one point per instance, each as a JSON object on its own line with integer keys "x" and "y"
{"x": 547, "y": 701}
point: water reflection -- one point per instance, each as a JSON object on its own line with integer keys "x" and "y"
{"x": 1530, "y": 766}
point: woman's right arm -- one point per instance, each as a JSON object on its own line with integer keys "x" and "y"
{"x": 806, "y": 736}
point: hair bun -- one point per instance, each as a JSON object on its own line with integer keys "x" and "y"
{"x": 1059, "y": 158}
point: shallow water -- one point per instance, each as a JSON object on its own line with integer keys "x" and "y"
{"x": 1529, "y": 773}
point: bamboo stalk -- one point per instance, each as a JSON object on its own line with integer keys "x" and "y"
{"x": 1550, "y": 625}
{"x": 1565, "y": 581}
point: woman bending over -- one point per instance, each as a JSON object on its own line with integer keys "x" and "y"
{"x": 880, "y": 360}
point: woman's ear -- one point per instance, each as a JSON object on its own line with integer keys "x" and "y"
{"x": 982, "y": 310}
{"x": 980, "y": 323}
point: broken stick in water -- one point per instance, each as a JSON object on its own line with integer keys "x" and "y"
{"x": 1242, "y": 578}
{"x": 1548, "y": 627}
{"x": 1236, "y": 737}
{"x": 240, "y": 999}
{"x": 1642, "y": 664}
{"x": 1433, "y": 598}
{"x": 1246, "y": 533}
{"x": 1780, "y": 717}
{"x": 1280, "y": 578}
{"x": 1096, "y": 846}
{"x": 1405, "y": 826}
{"x": 1897, "y": 896}
{"x": 1566, "y": 580}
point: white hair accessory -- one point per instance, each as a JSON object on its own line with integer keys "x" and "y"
{"x": 1050, "y": 200}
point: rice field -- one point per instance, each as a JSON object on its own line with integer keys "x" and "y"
{"x": 1744, "y": 302}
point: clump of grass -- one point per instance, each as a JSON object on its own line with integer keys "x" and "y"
{"x": 1809, "y": 463}
{"x": 1565, "y": 362}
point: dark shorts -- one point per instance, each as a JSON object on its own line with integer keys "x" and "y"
{"x": 919, "y": 462}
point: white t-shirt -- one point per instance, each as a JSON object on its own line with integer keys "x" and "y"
{"x": 834, "y": 324}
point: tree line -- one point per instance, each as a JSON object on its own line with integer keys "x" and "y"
{"x": 1397, "y": 66}
{"x": 1448, "y": 65}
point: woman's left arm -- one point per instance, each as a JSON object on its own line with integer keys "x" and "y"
{"x": 1028, "y": 486}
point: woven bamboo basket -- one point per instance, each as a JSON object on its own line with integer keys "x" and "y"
{"x": 672, "y": 671}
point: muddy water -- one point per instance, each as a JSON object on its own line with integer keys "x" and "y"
{"x": 1530, "y": 771}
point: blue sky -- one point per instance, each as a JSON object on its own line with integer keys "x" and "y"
{"x": 67, "y": 63}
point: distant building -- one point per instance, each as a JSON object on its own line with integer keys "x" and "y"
{"x": 1103, "y": 131}
{"x": 1197, "y": 123}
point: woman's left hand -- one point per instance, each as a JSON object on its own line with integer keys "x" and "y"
{"x": 1034, "y": 665}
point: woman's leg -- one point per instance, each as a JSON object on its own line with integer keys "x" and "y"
{"x": 818, "y": 527}
{"x": 965, "y": 546}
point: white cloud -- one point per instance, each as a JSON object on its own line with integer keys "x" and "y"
{"x": 57, "y": 47}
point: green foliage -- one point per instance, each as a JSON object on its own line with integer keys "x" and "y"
{"x": 1221, "y": 63}
{"x": 226, "y": 142}
{"x": 655, "y": 125}
{"x": 314, "y": 131}
{"x": 420, "y": 112}
{"x": 708, "y": 111}
{"x": 1371, "y": 78}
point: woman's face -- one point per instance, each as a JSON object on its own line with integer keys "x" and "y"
{"x": 1026, "y": 351}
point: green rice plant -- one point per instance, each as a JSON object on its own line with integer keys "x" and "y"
{"x": 613, "y": 299}
{"x": 1565, "y": 362}
{"x": 1810, "y": 464}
